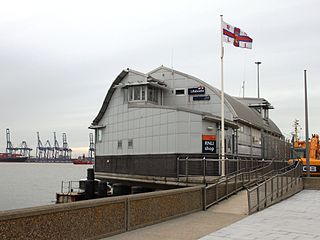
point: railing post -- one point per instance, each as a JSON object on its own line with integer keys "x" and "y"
{"x": 227, "y": 184}
{"x": 295, "y": 176}
{"x": 178, "y": 168}
{"x": 277, "y": 186}
{"x": 272, "y": 178}
{"x": 287, "y": 187}
{"x": 235, "y": 181}
{"x": 187, "y": 170}
{"x": 292, "y": 172}
{"x": 249, "y": 201}
{"x": 204, "y": 169}
{"x": 265, "y": 194}
{"x": 238, "y": 164}
{"x": 204, "y": 198}
{"x": 258, "y": 199}
{"x": 217, "y": 191}
{"x": 281, "y": 185}
{"x": 256, "y": 175}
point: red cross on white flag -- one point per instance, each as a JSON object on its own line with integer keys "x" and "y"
{"x": 236, "y": 36}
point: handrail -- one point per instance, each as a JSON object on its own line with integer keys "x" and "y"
{"x": 278, "y": 174}
{"x": 266, "y": 193}
{"x": 184, "y": 169}
{"x": 220, "y": 190}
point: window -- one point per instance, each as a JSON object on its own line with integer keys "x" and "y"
{"x": 143, "y": 93}
{"x": 153, "y": 94}
{"x": 265, "y": 114}
{"x": 130, "y": 94}
{"x": 137, "y": 93}
{"x": 180, "y": 92}
{"x": 130, "y": 144}
{"x": 150, "y": 93}
{"x": 99, "y": 135}
{"x": 119, "y": 144}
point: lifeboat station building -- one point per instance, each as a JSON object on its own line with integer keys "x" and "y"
{"x": 149, "y": 120}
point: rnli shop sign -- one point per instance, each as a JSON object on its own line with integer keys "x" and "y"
{"x": 196, "y": 90}
{"x": 208, "y": 144}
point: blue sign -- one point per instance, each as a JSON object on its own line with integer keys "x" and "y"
{"x": 201, "y": 98}
{"x": 197, "y": 90}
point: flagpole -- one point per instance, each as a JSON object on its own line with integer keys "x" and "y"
{"x": 222, "y": 106}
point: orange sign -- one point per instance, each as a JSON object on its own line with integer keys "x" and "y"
{"x": 209, "y": 137}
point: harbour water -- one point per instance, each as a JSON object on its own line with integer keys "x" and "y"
{"x": 35, "y": 184}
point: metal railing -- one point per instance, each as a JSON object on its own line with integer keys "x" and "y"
{"x": 205, "y": 169}
{"x": 231, "y": 184}
{"x": 70, "y": 186}
{"x": 284, "y": 183}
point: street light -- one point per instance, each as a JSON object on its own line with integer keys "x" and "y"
{"x": 258, "y": 63}
{"x": 307, "y": 123}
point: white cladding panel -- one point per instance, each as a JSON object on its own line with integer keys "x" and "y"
{"x": 150, "y": 130}
{"x": 179, "y": 81}
{"x": 154, "y": 130}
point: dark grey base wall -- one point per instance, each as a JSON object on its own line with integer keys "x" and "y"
{"x": 160, "y": 165}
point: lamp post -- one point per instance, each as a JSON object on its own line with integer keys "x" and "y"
{"x": 258, "y": 63}
{"x": 307, "y": 123}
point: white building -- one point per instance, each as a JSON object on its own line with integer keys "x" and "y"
{"x": 148, "y": 120}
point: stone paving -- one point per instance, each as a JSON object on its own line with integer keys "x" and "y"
{"x": 295, "y": 218}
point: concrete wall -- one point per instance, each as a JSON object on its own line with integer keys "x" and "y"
{"x": 98, "y": 218}
{"x": 311, "y": 183}
{"x": 149, "y": 208}
{"x": 80, "y": 220}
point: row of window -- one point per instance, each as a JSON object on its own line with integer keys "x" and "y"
{"x": 141, "y": 93}
{"x": 130, "y": 144}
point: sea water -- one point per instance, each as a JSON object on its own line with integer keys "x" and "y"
{"x": 35, "y": 184}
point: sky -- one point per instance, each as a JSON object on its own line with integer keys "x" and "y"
{"x": 59, "y": 58}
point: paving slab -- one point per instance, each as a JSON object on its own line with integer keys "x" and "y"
{"x": 295, "y": 218}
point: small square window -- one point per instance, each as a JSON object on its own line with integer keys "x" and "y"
{"x": 130, "y": 144}
{"x": 180, "y": 92}
{"x": 99, "y": 135}
{"x": 119, "y": 144}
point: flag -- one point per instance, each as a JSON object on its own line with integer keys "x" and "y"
{"x": 235, "y": 36}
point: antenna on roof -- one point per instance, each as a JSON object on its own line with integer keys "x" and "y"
{"x": 243, "y": 88}
{"x": 172, "y": 59}
{"x": 172, "y": 72}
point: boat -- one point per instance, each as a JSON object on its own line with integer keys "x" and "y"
{"x": 12, "y": 157}
{"x": 83, "y": 160}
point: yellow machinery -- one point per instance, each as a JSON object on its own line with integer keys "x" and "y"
{"x": 298, "y": 152}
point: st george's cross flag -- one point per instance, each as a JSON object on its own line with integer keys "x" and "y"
{"x": 235, "y": 36}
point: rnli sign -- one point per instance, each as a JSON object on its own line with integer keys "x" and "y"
{"x": 196, "y": 90}
{"x": 209, "y": 144}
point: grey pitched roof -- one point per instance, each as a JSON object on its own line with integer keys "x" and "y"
{"x": 244, "y": 113}
{"x": 108, "y": 97}
{"x": 240, "y": 110}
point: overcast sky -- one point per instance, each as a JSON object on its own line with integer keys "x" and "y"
{"x": 59, "y": 58}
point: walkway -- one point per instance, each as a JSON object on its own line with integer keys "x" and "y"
{"x": 295, "y": 218}
{"x": 193, "y": 226}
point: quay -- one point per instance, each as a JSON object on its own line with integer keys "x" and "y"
{"x": 106, "y": 217}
